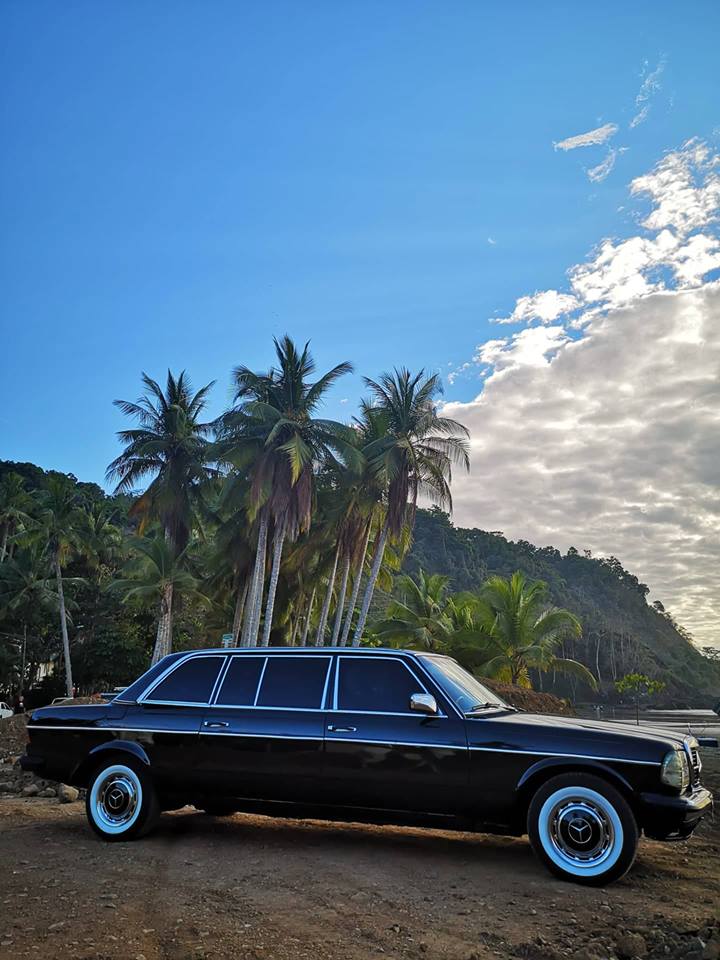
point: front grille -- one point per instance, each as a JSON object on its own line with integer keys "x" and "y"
{"x": 695, "y": 766}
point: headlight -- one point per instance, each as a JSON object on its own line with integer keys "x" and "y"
{"x": 675, "y": 771}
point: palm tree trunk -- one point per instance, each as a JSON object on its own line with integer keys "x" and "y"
{"x": 355, "y": 592}
{"x": 370, "y": 588}
{"x": 3, "y": 546}
{"x": 239, "y": 610}
{"x": 163, "y": 640}
{"x": 340, "y": 605}
{"x": 278, "y": 541}
{"x": 63, "y": 627}
{"x": 308, "y": 614}
{"x": 295, "y": 628}
{"x": 320, "y": 637}
{"x": 252, "y": 618}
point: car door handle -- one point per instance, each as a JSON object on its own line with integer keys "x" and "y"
{"x": 215, "y": 723}
{"x": 333, "y": 729}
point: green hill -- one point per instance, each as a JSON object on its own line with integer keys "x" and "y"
{"x": 622, "y": 633}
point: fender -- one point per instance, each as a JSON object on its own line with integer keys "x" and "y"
{"x": 550, "y": 766}
{"x": 110, "y": 746}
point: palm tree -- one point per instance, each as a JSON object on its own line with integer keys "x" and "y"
{"x": 273, "y": 429}
{"x": 517, "y": 630}
{"x": 158, "y": 574}
{"x": 61, "y": 519}
{"x": 420, "y": 614}
{"x": 171, "y": 446}
{"x": 15, "y": 502}
{"x": 414, "y": 457}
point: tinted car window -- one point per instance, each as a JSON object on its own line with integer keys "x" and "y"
{"x": 374, "y": 684}
{"x": 191, "y": 682}
{"x": 143, "y": 682}
{"x": 294, "y": 682}
{"x": 241, "y": 680}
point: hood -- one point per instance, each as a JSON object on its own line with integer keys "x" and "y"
{"x": 542, "y": 733}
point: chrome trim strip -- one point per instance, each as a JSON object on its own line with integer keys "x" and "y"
{"x": 572, "y": 756}
{"x": 327, "y": 681}
{"x": 259, "y": 683}
{"x": 220, "y": 680}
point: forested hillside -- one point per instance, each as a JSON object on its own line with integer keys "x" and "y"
{"x": 622, "y": 633}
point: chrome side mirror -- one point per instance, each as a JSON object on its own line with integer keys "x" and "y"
{"x": 423, "y": 703}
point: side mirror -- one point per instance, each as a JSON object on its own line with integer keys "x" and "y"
{"x": 423, "y": 703}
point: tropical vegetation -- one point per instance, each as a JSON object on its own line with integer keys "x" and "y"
{"x": 272, "y": 524}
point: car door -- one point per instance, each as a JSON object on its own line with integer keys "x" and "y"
{"x": 263, "y": 735}
{"x": 166, "y": 718}
{"x": 380, "y": 753}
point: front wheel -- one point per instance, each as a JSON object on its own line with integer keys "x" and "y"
{"x": 583, "y": 829}
{"x": 121, "y": 802}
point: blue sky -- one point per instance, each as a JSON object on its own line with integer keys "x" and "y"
{"x": 179, "y": 182}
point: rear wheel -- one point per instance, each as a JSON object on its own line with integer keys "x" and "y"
{"x": 583, "y": 829}
{"x": 121, "y": 802}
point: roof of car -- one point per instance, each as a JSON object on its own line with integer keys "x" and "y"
{"x": 310, "y": 650}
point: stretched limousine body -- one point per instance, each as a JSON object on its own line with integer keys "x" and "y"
{"x": 384, "y": 735}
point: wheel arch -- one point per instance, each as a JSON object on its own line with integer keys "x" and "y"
{"x": 120, "y": 749}
{"x": 544, "y": 770}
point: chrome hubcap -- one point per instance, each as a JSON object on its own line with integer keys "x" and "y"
{"x": 581, "y": 831}
{"x": 117, "y": 799}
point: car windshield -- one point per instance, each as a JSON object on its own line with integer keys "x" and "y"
{"x": 464, "y": 690}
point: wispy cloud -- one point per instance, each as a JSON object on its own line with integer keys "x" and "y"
{"x": 492, "y": 241}
{"x": 601, "y": 171}
{"x": 590, "y": 139}
{"x": 649, "y": 87}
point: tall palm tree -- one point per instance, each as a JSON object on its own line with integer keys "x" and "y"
{"x": 274, "y": 422}
{"x": 15, "y": 505}
{"x": 414, "y": 457}
{"x": 61, "y": 518}
{"x": 156, "y": 574}
{"x": 171, "y": 446}
{"x": 518, "y": 631}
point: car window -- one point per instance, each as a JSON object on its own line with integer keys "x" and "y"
{"x": 296, "y": 682}
{"x": 240, "y": 684}
{"x": 372, "y": 683}
{"x": 191, "y": 682}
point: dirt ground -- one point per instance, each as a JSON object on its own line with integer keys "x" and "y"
{"x": 255, "y": 888}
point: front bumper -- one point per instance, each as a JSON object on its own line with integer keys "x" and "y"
{"x": 664, "y": 817}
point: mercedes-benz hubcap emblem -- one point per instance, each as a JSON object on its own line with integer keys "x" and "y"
{"x": 579, "y": 830}
{"x": 115, "y": 799}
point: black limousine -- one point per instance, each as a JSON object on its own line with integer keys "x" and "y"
{"x": 392, "y": 736}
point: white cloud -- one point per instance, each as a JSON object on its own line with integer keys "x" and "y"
{"x": 545, "y": 305}
{"x": 492, "y": 241}
{"x": 649, "y": 87}
{"x": 602, "y": 170}
{"x": 590, "y": 139}
{"x": 601, "y": 430}
{"x": 639, "y": 117}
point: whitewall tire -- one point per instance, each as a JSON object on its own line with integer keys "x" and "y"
{"x": 583, "y": 829}
{"x": 121, "y": 803}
